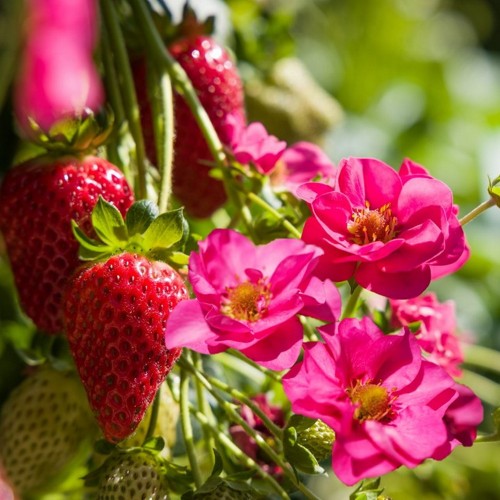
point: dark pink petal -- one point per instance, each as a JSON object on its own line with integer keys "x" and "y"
{"x": 404, "y": 440}
{"x": 334, "y": 264}
{"x": 311, "y": 190}
{"x": 368, "y": 179}
{"x": 409, "y": 167}
{"x": 279, "y": 349}
{"x": 321, "y": 300}
{"x": 186, "y": 327}
{"x": 419, "y": 193}
{"x": 421, "y": 244}
{"x": 304, "y": 161}
{"x": 371, "y": 462}
{"x": 333, "y": 211}
{"x": 401, "y": 285}
{"x": 455, "y": 253}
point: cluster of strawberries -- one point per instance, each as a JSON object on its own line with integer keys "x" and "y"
{"x": 114, "y": 307}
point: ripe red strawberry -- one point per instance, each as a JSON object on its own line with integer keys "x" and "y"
{"x": 218, "y": 85}
{"x": 116, "y": 310}
{"x": 38, "y": 199}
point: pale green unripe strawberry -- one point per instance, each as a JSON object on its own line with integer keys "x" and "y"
{"x": 133, "y": 474}
{"x": 45, "y": 429}
{"x": 318, "y": 438}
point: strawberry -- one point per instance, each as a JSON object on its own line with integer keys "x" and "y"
{"x": 318, "y": 438}
{"x": 38, "y": 199}
{"x": 45, "y": 424}
{"x": 215, "y": 78}
{"x": 116, "y": 310}
{"x": 138, "y": 473}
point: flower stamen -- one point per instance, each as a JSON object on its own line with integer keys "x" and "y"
{"x": 246, "y": 301}
{"x": 373, "y": 401}
{"x": 369, "y": 225}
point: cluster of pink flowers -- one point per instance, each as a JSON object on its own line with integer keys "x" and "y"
{"x": 57, "y": 76}
{"x": 287, "y": 167}
{"x": 390, "y": 398}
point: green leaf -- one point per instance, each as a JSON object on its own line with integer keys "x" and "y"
{"x": 299, "y": 456}
{"x": 155, "y": 443}
{"x": 164, "y": 231}
{"x": 109, "y": 224}
{"x": 369, "y": 489}
{"x": 140, "y": 215}
{"x": 178, "y": 258}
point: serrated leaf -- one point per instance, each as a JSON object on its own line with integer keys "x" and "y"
{"x": 164, "y": 231}
{"x": 140, "y": 215}
{"x": 109, "y": 224}
{"x": 179, "y": 258}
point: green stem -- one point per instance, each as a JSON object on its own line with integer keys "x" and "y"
{"x": 482, "y": 357}
{"x": 352, "y": 303}
{"x": 238, "y": 453}
{"x": 488, "y": 438}
{"x": 477, "y": 211}
{"x": 203, "y": 403}
{"x": 156, "y": 48}
{"x": 284, "y": 222}
{"x": 187, "y": 430}
{"x": 132, "y": 112}
{"x": 163, "y": 123}
{"x": 115, "y": 99}
{"x": 12, "y": 25}
{"x": 268, "y": 373}
{"x": 154, "y": 416}
{"x": 239, "y": 396}
{"x": 234, "y": 416}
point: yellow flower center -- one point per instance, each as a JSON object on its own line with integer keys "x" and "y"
{"x": 374, "y": 401}
{"x": 247, "y": 301}
{"x": 369, "y": 225}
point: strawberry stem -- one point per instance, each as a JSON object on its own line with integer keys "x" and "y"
{"x": 477, "y": 211}
{"x": 238, "y": 453}
{"x": 187, "y": 430}
{"x": 352, "y": 303}
{"x": 117, "y": 43}
{"x": 181, "y": 81}
{"x": 163, "y": 124}
{"x": 154, "y": 416}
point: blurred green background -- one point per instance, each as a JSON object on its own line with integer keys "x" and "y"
{"x": 387, "y": 79}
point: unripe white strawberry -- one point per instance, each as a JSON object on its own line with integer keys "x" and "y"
{"x": 318, "y": 438}
{"x": 133, "y": 474}
{"x": 45, "y": 424}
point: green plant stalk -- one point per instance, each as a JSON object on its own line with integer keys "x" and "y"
{"x": 163, "y": 126}
{"x": 203, "y": 403}
{"x": 180, "y": 80}
{"x": 114, "y": 96}
{"x": 285, "y": 223}
{"x": 268, "y": 373}
{"x": 238, "y": 453}
{"x": 487, "y": 438}
{"x": 11, "y": 37}
{"x": 352, "y": 303}
{"x": 117, "y": 43}
{"x": 236, "y": 417}
{"x": 154, "y": 416}
{"x": 482, "y": 357}
{"x": 187, "y": 430}
{"x": 477, "y": 211}
{"x": 238, "y": 395}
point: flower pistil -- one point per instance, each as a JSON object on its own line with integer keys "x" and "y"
{"x": 246, "y": 301}
{"x": 374, "y": 402}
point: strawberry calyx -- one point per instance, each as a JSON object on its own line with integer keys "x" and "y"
{"x": 143, "y": 231}
{"x": 74, "y": 134}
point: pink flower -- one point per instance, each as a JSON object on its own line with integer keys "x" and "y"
{"x": 248, "y": 298}
{"x": 436, "y": 334}
{"x": 387, "y": 405}
{"x": 393, "y": 232}
{"x": 252, "y": 144}
{"x": 58, "y": 77}
{"x": 301, "y": 163}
